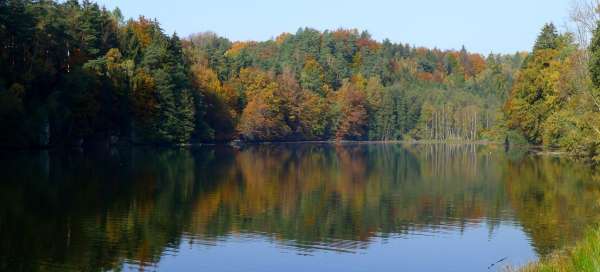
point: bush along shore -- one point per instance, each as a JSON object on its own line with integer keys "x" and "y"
{"x": 583, "y": 257}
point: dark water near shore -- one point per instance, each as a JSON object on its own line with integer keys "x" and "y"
{"x": 290, "y": 207}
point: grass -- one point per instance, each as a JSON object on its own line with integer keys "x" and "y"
{"x": 584, "y": 257}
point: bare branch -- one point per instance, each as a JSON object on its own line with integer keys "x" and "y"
{"x": 585, "y": 14}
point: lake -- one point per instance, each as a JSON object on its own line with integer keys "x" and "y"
{"x": 290, "y": 207}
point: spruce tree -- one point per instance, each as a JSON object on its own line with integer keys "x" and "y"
{"x": 548, "y": 38}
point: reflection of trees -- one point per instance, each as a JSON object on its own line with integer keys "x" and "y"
{"x": 97, "y": 210}
{"x": 351, "y": 192}
{"x": 90, "y": 212}
{"x": 554, "y": 199}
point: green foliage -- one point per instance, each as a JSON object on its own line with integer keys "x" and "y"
{"x": 400, "y": 80}
{"x": 535, "y": 94}
{"x": 141, "y": 191}
{"x": 594, "y": 65}
{"x": 312, "y": 76}
{"x": 554, "y": 101}
{"x": 514, "y": 138}
{"x": 548, "y": 38}
{"x": 395, "y": 114}
{"x": 85, "y": 75}
{"x": 584, "y": 257}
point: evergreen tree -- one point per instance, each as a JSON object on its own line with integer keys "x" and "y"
{"x": 71, "y": 71}
{"x": 548, "y": 38}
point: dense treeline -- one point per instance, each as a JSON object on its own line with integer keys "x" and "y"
{"x": 555, "y": 99}
{"x": 76, "y": 73}
{"x": 344, "y": 85}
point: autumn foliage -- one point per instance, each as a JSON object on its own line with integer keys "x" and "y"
{"x": 100, "y": 77}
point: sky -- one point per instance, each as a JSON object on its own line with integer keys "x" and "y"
{"x": 484, "y": 26}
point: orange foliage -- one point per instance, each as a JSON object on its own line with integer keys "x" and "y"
{"x": 253, "y": 80}
{"x": 344, "y": 34}
{"x": 454, "y": 54}
{"x": 206, "y": 79}
{"x": 141, "y": 30}
{"x": 440, "y": 73}
{"x": 236, "y": 47}
{"x": 425, "y": 76}
{"x": 262, "y": 119}
{"x": 421, "y": 51}
{"x": 354, "y": 115}
{"x": 368, "y": 43}
{"x": 282, "y": 37}
{"x": 477, "y": 63}
{"x": 230, "y": 96}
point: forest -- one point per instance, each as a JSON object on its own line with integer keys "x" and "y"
{"x": 75, "y": 73}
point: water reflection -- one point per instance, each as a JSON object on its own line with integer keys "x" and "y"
{"x": 149, "y": 208}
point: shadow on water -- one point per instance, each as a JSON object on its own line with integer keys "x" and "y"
{"x": 96, "y": 210}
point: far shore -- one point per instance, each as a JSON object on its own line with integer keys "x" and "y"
{"x": 537, "y": 150}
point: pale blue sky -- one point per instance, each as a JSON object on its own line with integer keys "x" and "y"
{"x": 501, "y": 26}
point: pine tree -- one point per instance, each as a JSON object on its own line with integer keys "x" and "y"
{"x": 548, "y": 38}
{"x": 90, "y": 23}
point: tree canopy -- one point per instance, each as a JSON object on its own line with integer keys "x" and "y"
{"x": 75, "y": 73}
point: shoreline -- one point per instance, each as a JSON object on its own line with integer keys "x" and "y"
{"x": 242, "y": 143}
{"x": 583, "y": 256}
{"x": 534, "y": 150}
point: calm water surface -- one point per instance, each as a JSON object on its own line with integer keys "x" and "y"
{"x": 289, "y": 207}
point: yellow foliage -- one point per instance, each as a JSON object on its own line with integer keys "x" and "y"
{"x": 141, "y": 29}
{"x": 282, "y": 37}
{"x": 206, "y": 79}
{"x": 253, "y": 80}
{"x": 236, "y": 47}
